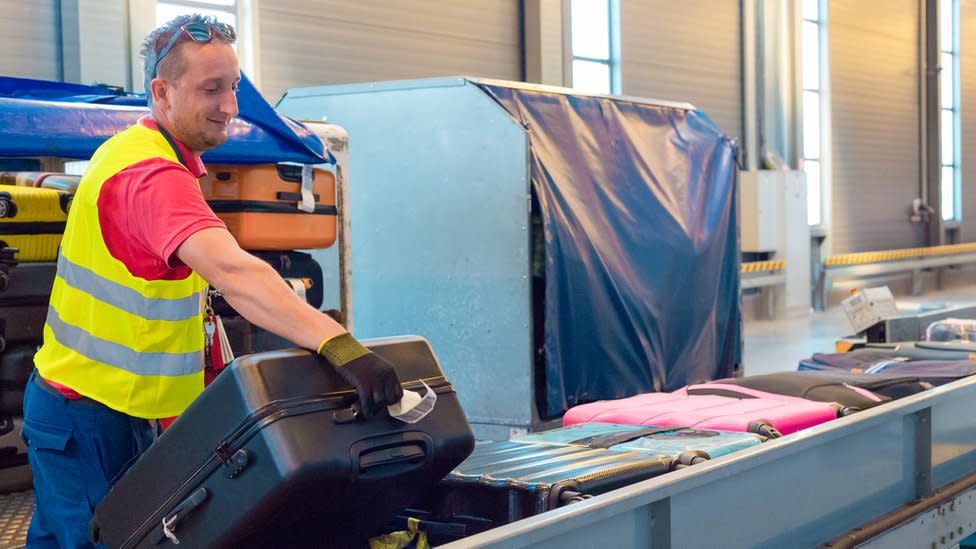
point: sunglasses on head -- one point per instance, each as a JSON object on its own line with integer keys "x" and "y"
{"x": 198, "y": 32}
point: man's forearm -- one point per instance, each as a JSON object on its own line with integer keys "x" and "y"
{"x": 260, "y": 295}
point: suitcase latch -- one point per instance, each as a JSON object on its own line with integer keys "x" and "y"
{"x": 235, "y": 463}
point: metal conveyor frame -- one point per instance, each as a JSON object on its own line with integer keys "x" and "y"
{"x": 799, "y": 491}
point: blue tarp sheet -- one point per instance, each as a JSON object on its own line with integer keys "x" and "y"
{"x": 42, "y": 118}
{"x": 641, "y": 247}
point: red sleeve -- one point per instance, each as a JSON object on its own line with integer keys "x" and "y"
{"x": 146, "y": 211}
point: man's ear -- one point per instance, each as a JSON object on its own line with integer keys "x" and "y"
{"x": 159, "y": 89}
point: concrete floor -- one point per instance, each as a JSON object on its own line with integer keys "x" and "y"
{"x": 778, "y": 345}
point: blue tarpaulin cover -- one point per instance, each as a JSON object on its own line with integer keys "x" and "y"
{"x": 641, "y": 247}
{"x": 43, "y": 118}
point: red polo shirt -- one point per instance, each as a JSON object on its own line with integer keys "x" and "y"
{"x": 148, "y": 209}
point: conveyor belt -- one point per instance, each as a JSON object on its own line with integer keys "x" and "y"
{"x": 15, "y": 513}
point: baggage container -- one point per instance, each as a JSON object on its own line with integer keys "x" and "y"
{"x": 931, "y": 362}
{"x": 852, "y": 391}
{"x": 260, "y": 205}
{"x": 32, "y": 220}
{"x": 727, "y": 408}
{"x": 684, "y": 446}
{"x": 272, "y": 455}
{"x": 502, "y": 482}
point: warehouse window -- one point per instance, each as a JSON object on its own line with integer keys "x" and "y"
{"x": 224, "y": 10}
{"x": 813, "y": 66}
{"x": 594, "y": 35}
{"x": 949, "y": 84}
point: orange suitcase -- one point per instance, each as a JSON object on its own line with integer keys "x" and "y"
{"x": 260, "y": 205}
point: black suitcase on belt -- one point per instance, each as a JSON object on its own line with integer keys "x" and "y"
{"x": 845, "y": 388}
{"x": 270, "y": 456}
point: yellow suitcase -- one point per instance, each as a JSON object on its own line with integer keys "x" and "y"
{"x": 32, "y": 220}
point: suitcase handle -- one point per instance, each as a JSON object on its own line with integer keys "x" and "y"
{"x": 291, "y": 172}
{"x": 391, "y": 455}
{"x": 167, "y": 528}
{"x": 285, "y": 196}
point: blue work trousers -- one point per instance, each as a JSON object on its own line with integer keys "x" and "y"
{"x": 77, "y": 449}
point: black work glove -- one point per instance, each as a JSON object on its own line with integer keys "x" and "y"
{"x": 372, "y": 376}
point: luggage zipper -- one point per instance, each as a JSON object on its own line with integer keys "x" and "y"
{"x": 276, "y": 410}
{"x": 225, "y": 451}
{"x": 615, "y": 470}
{"x": 258, "y": 206}
{"x": 32, "y": 227}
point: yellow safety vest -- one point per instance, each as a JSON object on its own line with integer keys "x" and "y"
{"x": 132, "y": 344}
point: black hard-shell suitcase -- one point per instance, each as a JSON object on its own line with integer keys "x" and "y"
{"x": 853, "y": 391}
{"x": 502, "y": 482}
{"x": 16, "y": 365}
{"x": 24, "y": 302}
{"x": 296, "y": 268}
{"x": 272, "y": 455}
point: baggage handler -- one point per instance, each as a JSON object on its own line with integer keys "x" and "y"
{"x": 124, "y": 341}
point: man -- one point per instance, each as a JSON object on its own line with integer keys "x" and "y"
{"x": 123, "y": 341}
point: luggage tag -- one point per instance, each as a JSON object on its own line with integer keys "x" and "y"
{"x": 219, "y": 352}
{"x": 300, "y": 286}
{"x": 226, "y": 353}
{"x": 413, "y": 407}
{"x": 308, "y": 197}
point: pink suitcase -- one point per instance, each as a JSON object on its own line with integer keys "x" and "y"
{"x": 727, "y": 408}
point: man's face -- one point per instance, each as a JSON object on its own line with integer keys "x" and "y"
{"x": 200, "y": 103}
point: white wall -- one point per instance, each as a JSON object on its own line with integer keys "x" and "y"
{"x": 30, "y": 39}
{"x": 313, "y": 42}
{"x": 684, "y": 51}
{"x": 874, "y": 75}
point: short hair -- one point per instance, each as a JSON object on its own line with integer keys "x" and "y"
{"x": 157, "y": 40}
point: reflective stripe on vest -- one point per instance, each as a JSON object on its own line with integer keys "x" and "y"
{"x": 107, "y": 352}
{"x": 125, "y": 298}
{"x": 133, "y": 344}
